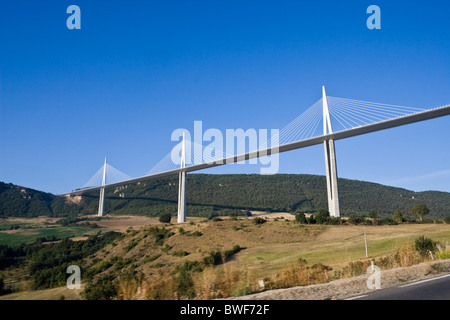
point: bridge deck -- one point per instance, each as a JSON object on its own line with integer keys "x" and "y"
{"x": 395, "y": 122}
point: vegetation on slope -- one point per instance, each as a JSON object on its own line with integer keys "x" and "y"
{"x": 206, "y": 259}
{"x": 16, "y": 201}
{"x": 45, "y": 263}
{"x": 221, "y": 194}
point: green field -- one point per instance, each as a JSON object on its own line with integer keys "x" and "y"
{"x": 13, "y": 233}
{"x": 340, "y": 245}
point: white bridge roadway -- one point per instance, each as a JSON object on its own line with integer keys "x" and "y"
{"x": 395, "y": 122}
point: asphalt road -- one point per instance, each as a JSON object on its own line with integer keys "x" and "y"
{"x": 437, "y": 288}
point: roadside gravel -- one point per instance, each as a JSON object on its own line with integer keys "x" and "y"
{"x": 343, "y": 288}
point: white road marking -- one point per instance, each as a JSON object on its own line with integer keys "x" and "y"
{"x": 422, "y": 281}
{"x": 357, "y": 297}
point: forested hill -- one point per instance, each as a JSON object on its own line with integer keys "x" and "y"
{"x": 17, "y": 201}
{"x": 207, "y": 194}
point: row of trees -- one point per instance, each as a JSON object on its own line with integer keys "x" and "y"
{"x": 419, "y": 211}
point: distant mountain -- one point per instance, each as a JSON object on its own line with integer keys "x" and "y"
{"x": 208, "y": 194}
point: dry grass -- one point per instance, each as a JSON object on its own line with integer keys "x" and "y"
{"x": 46, "y": 294}
{"x": 274, "y": 252}
{"x": 122, "y": 223}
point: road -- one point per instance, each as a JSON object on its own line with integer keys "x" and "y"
{"x": 437, "y": 288}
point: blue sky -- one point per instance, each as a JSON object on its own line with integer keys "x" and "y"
{"x": 137, "y": 70}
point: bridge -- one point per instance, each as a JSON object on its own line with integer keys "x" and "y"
{"x": 341, "y": 118}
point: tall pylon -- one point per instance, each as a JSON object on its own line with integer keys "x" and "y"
{"x": 101, "y": 201}
{"x": 182, "y": 184}
{"x": 330, "y": 161}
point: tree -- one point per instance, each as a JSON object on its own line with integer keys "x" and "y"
{"x": 311, "y": 220}
{"x": 165, "y": 217}
{"x": 420, "y": 211}
{"x": 300, "y": 218}
{"x": 373, "y": 214}
{"x": 2, "y": 283}
{"x": 102, "y": 289}
{"x": 322, "y": 216}
{"x": 399, "y": 215}
{"x": 354, "y": 219}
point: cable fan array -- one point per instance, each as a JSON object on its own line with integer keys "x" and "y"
{"x": 113, "y": 175}
{"x": 196, "y": 153}
{"x": 345, "y": 114}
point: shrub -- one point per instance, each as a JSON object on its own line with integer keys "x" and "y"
{"x": 2, "y": 284}
{"x": 335, "y": 221}
{"x": 447, "y": 219}
{"x": 300, "y": 218}
{"x": 233, "y": 215}
{"x": 165, "y": 217}
{"x": 130, "y": 245}
{"x": 102, "y": 289}
{"x": 160, "y": 234}
{"x": 185, "y": 283}
{"x": 322, "y": 216}
{"x": 443, "y": 255}
{"x": 227, "y": 254}
{"x": 212, "y": 216}
{"x": 197, "y": 234}
{"x": 213, "y": 259}
{"x": 425, "y": 245}
{"x": 180, "y": 253}
{"x": 354, "y": 219}
{"x": 399, "y": 215}
{"x": 373, "y": 214}
{"x": 389, "y": 221}
{"x": 259, "y": 220}
{"x": 311, "y": 220}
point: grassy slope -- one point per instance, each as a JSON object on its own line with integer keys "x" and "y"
{"x": 271, "y": 246}
{"x": 46, "y": 294}
{"x": 267, "y": 248}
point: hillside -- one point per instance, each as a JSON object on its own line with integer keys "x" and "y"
{"x": 219, "y": 258}
{"x": 17, "y": 201}
{"x": 216, "y": 194}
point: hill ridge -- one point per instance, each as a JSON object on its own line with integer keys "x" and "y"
{"x": 214, "y": 193}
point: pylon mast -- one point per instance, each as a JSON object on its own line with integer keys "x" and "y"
{"x": 101, "y": 202}
{"x": 330, "y": 161}
{"x": 182, "y": 184}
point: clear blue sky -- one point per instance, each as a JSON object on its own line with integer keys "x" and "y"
{"x": 137, "y": 70}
